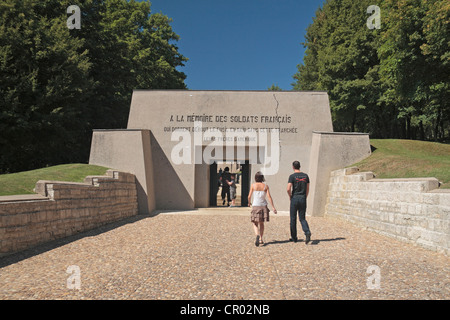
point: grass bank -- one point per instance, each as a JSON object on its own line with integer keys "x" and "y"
{"x": 395, "y": 158}
{"x": 24, "y": 182}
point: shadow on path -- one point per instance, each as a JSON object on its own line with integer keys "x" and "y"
{"x": 317, "y": 241}
{"x": 53, "y": 244}
{"x": 313, "y": 241}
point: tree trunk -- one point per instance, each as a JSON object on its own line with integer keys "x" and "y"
{"x": 436, "y": 127}
{"x": 408, "y": 127}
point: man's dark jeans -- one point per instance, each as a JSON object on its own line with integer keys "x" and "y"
{"x": 226, "y": 192}
{"x": 298, "y": 204}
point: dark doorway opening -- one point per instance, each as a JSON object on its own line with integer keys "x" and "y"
{"x": 242, "y": 179}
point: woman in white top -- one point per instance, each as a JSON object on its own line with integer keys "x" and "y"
{"x": 260, "y": 212}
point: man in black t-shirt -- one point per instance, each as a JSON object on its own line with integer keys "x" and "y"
{"x": 298, "y": 189}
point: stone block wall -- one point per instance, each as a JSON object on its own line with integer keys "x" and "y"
{"x": 412, "y": 210}
{"x": 61, "y": 209}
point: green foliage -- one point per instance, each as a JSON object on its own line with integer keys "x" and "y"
{"x": 56, "y": 84}
{"x": 274, "y": 87}
{"x": 44, "y": 83}
{"x": 391, "y": 82}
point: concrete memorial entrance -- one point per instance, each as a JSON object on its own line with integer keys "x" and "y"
{"x": 175, "y": 140}
{"x": 243, "y": 181}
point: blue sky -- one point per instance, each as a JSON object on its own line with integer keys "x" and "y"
{"x": 239, "y": 45}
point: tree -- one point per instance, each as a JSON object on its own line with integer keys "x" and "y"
{"x": 341, "y": 59}
{"x": 274, "y": 87}
{"x": 415, "y": 65}
{"x": 44, "y": 85}
{"x": 56, "y": 84}
{"x": 437, "y": 54}
{"x": 392, "y": 82}
{"x": 129, "y": 49}
{"x": 402, "y": 62}
{"x": 307, "y": 77}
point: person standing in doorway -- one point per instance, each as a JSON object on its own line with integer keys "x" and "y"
{"x": 232, "y": 185}
{"x": 226, "y": 179}
{"x": 260, "y": 212}
{"x": 298, "y": 189}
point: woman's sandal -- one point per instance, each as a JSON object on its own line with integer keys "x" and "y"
{"x": 257, "y": 241}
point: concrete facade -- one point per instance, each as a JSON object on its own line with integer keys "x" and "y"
{"x": 165, "y": 126}
{"x": 411, "y": 210}
{"x": 331, "y": 151}
{"x": 131, "y": 151}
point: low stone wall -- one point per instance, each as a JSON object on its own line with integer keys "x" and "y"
{"x": 413, "y": 210}
{"x": 61, "y": 209}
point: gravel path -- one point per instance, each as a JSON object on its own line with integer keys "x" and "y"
{"x": 210, "y": 254}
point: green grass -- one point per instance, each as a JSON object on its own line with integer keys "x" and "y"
{"x": 24, "y": 182}
{"x": 408, "y": 159}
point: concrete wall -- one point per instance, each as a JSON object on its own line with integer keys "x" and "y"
{"x": 412, "y": 210}
{"x": 129, "y": 151}
{"x": 62, "y": 209}
{"x": 147, "y": 147}
{"x": 331, "y": 151}
{"x": 177, "y": 185}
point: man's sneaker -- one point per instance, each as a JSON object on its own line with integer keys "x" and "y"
{"x": 295, "y": 240}
{"x": 308, "y": 238}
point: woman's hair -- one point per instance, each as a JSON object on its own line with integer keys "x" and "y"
{"x": 259, "y": 177}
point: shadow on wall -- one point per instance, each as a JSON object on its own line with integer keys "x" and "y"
{"x": 170, "y": 192}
